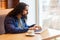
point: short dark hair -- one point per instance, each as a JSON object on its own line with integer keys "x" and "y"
{"x": 18, "y": 9}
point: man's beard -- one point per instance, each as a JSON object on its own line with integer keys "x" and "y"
{"x": 24, "y": 16}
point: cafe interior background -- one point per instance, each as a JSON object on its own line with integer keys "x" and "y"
{"x": 45, "y": 13}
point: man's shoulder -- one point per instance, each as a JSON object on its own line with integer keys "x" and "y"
{"x": 9, "y": 18}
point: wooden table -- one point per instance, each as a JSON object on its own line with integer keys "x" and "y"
{"x": 45, "y": 35}
{"x": 50, "y": 34}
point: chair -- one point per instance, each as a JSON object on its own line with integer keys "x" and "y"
{"x": 3, "y": 14}
{"x": 2, "y": 30}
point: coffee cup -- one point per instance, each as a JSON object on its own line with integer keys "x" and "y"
{"x": 30, "y": 33}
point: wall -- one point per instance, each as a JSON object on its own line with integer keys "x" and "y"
{"x": 5, "y": 11}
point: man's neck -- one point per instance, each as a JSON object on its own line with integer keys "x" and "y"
{"x": 19, "y": 16}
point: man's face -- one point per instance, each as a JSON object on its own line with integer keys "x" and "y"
{"x": 25, "y": 11}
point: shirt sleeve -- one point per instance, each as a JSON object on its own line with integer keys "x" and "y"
{"x": 11, "y": 28}
{"x": 30, "y": 25}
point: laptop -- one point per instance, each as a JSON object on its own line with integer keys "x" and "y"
{"x": 40, "y": 31}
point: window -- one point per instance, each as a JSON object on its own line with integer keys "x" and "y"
{"x": 31, "y": 15}
{"x": 43, "y": 10}
{"x": 49, "y": 13}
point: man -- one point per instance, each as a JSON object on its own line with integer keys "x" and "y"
{"x": 15, "y": 21}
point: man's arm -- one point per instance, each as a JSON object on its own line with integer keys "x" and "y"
{"x": 11, "y": 28}
{"x": 31, "y": 25}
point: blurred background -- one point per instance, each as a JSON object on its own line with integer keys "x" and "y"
{"x": 45, "y": 13}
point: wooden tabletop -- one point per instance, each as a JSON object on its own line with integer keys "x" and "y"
{"x": 47, "y": 34}
{"x": 50, "y": 33}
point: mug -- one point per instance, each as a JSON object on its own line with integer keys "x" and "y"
{"x": 31, "y": 32}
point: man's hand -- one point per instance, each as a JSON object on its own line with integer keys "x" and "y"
{"x": 35, "y": 27}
